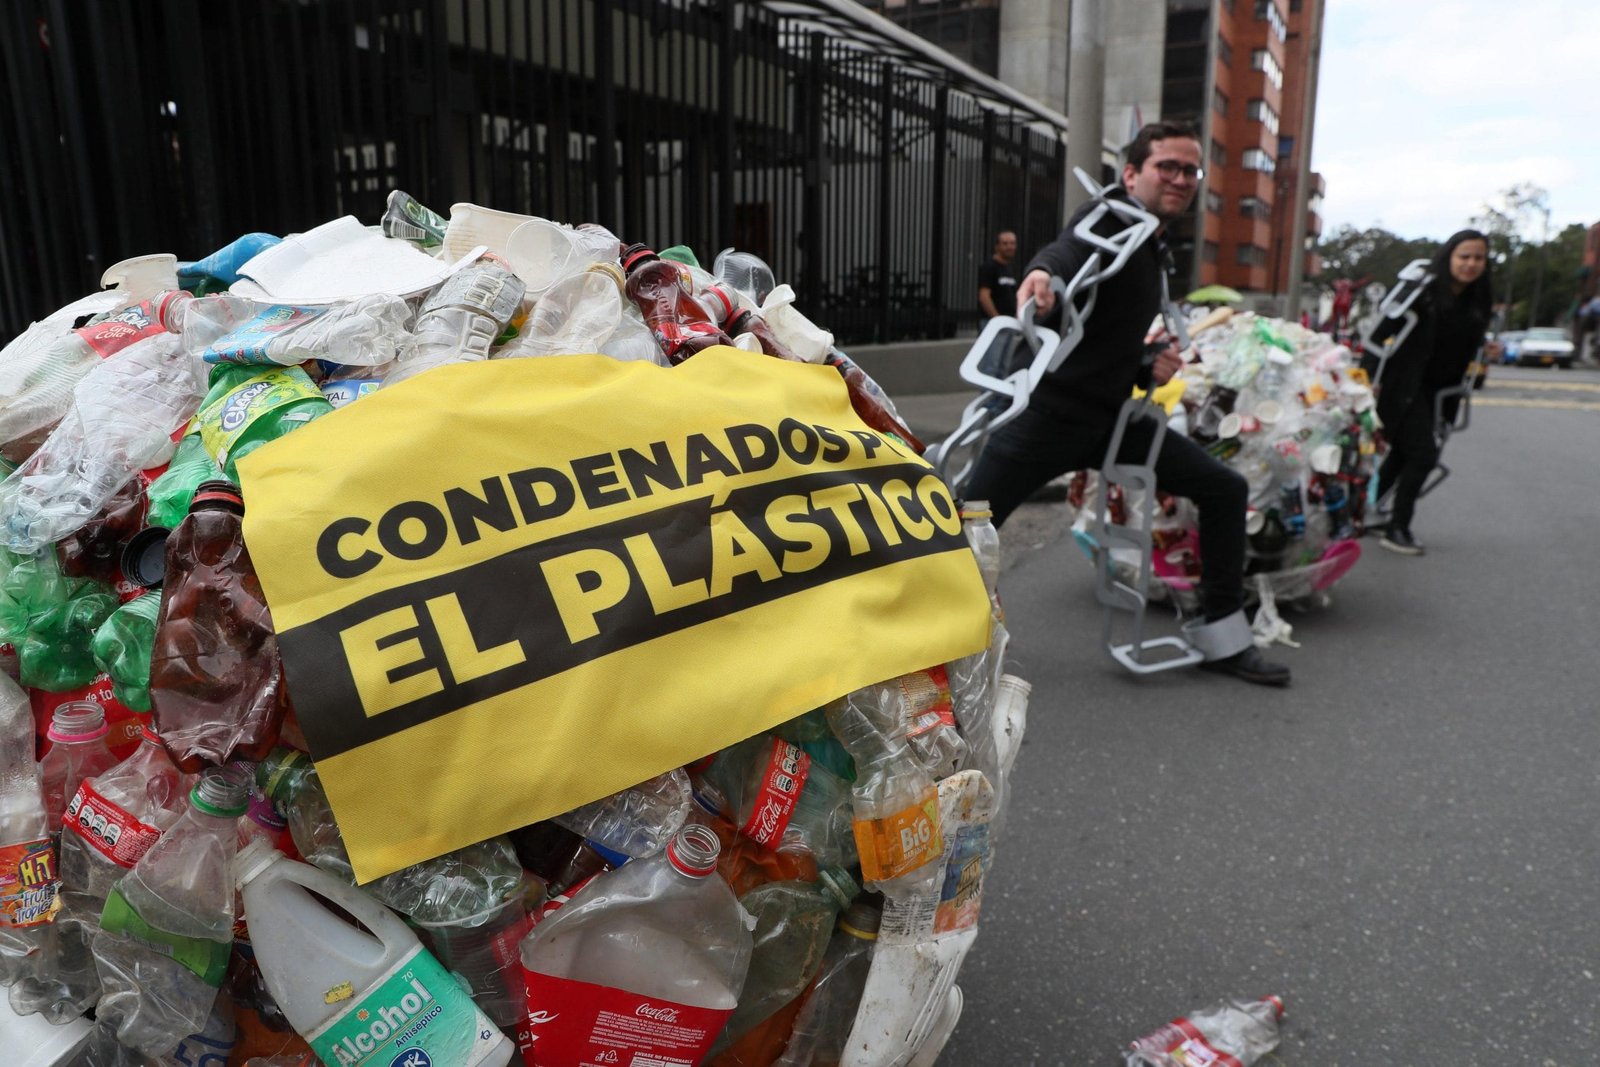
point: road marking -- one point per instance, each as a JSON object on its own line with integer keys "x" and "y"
{"x": 1518, "y": 383}
{"x": 1524, "y": 402}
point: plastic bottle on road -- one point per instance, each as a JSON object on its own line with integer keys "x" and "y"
{"x": 78, "y": 750}
{"x": 361, "y": 996}
{"x": 248, "y": 406}
{"x": 661, "y": 941}
{"x": 216, "y": 678}
{"x": 121, "y": 648}
{"x": 28, "y": 879}
{"x": 637, "y": 821}
{"x": 824, "y": 1022}
{"x": 121, "y": 421}
{"x": 1245, "y": 1030}
{"x": 167, "y": 928}
{"x": 461, "y": 320}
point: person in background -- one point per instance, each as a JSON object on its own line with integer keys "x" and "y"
{"x": 1071, "y": 415}
{"x": 997, "y": 281}
{"x": 1452, "y": 316}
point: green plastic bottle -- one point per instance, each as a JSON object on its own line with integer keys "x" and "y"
{"x": 170, "y": 494}
{"x": 51, "y": 619}
{"x": 122, "y": 649}
{"x": 249, "y": 405}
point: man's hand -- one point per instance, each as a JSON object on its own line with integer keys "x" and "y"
{"x": 1167, "y": 361}
{"x": 1036, "y": 285}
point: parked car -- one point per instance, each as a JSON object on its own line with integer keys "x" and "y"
{"x": 1544, "y": 345}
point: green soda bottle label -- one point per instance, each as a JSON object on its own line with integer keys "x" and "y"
{"x": 416, "y": 1010}
{"x": 228, "y": 418}
{"x": 206, "y": 958}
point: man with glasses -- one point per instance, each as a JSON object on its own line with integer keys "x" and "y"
{"x": 1068, "y": 423}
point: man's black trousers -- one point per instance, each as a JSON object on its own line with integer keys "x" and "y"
{"x": 1037, "y": 446}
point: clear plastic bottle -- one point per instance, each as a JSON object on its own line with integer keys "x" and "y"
{"x": 121, "y": 421}
{"x": 167, "y": 928}
{"x": 794, "y": 921}
{"x": 367, "y": 331}
{"x": 41, "y": 367}
{"x": 576, "y": 315}
{"x": 661, "y": 290}
{"x": 289, "y": 778}
{"x": 461, "y": 320}
{"x": 825, "y": 1021}
{"x": 25, "y": 903}
{"x": 1243, "y": 1029}
{"x": 660, "y": 941}
{"x": 761, "y": 779}
{"x": 895, "y": 802}
{"x": 637, "y": 821}
{"x": 78, "y": 750}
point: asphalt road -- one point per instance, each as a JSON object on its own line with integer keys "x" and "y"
{"x": 1403, "y": 845}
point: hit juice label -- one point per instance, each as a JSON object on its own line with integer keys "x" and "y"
{"x": 576, "y": 1024}
{"x": 28, "y": 883}
{"x": 107, "y": 828}
{"x": 788, "y": 766}
{"x": 416, "y": 1014}
{"x": 902, "y": 842}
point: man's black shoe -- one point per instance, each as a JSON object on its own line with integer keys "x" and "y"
{"x": 1402, "y": 542}
{"x": 1250, "y": 665}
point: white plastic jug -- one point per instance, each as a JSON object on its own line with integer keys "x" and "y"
{"x": 359, "y": 999}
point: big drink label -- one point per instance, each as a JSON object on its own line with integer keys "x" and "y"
{"x": 414, "y": 1016}
{"x": 778, "y": 792}
{"x": 28, "y": 884}
{"x": 577, "y": 1024}
{"x": 107, "y": 828}
{"x": 900, "y": 843}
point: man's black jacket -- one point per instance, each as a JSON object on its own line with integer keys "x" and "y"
{"x": 1100, "y": 373}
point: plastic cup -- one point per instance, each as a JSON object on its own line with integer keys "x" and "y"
{"x": 485, "y": 950}
{"x": 541, "y": 253}
{"x": 472, "y": 225}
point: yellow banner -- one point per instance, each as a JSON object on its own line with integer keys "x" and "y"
{"x": 506, "y": 589}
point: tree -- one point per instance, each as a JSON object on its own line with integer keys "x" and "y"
{"x": 1506, "y": 224}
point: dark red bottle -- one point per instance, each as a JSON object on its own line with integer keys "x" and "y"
{"x": 216, "y": 677}
{"x": 662, "y": 293}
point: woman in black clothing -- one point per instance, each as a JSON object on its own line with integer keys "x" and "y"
{"x": 1453, "y": 314}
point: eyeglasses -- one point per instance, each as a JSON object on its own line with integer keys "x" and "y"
{"x": 1172, "y": 170}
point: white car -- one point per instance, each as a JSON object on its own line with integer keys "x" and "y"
{"x": 1544, "y": 345}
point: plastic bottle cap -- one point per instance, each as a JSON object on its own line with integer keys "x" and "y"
{"x": 839, "y": 884}
{"x": 144, "y": 558}
{"x": 1230, "y": 425}
{"x": 635, "y": 254}
{"x": 78, "y": 720}
{"x": 219, "y": 492}
{"x": 256, "y": 857}
{"x": 1277, "y": 1004}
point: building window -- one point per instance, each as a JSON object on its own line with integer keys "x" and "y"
{"x": 1210, "y": 252}
{"x": 1262, "y": 112}
{"x": 1262, "y": 60}
{"x": 1251, "y": 256}
{"x": 1213, "y": 201}
{"x": 1253, "y": 207}
{"x": 1285, "y": 147}
{"x": 1219, "y": 155}
{"x": 1256, "y": 159}
{"x": 1219, "y": 100}
{"x": 1267, "y": 11}
{"x": 1224, "y": 51}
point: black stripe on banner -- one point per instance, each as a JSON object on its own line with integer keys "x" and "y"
{"x": 409, "y": 655}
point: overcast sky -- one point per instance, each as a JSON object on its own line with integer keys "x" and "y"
{"x": 1428, "y": 108}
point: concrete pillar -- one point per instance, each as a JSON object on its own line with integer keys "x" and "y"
{"x": 1033, "y": 49}
{"x": 1086, "y": 94}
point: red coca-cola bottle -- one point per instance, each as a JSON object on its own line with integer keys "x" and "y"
{"x": 662, "y": 292}
{"x": 216, "y": 677}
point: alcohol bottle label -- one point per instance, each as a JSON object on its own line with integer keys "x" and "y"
{"x": 110, "y": 830}
{"x": 206, "y": 958}
{"x": 28, "y": 884}
{"x": 577, "y": 1024}
{"x": 900, "y": 843}
{"x": 415, "y": 1014}
{"x": 785, "y": 776}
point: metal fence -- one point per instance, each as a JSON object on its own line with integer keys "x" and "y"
{"x": 872, "y": 183}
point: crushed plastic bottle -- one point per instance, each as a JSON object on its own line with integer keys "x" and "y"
{"x": 289, "y": 778}
{"x": 216, "y": 677}
{"x": 167, "y": 928}
{"x": 637, "y": 821}
{"x": 648, "y": 960}
{"x": 461, "y": 320}
{"x": 50, "y": 620}
{"x": 121, "y": 648}
{"x": 823, "y": 1025}
{"x": 660, "y": 289}
{"x": 1232, "y": 1031}
{"x": 121, "y": 421}
{"x": 171, "y": 492}
{"x": 367, "y": 331}
{"x": 577, "y": 314}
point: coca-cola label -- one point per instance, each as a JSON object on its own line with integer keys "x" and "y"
{"x": 122, "y": 723}
{"x": 28, "y": 883}
{"x": 926, "y": 700}
{"x": 110, "y": 830}
{"x": 788, "y": 766}
{"x": 577, "y": 1024}
{"x": 126, "y": 327}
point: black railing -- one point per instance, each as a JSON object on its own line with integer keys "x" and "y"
{"x": 873, "y": 185}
